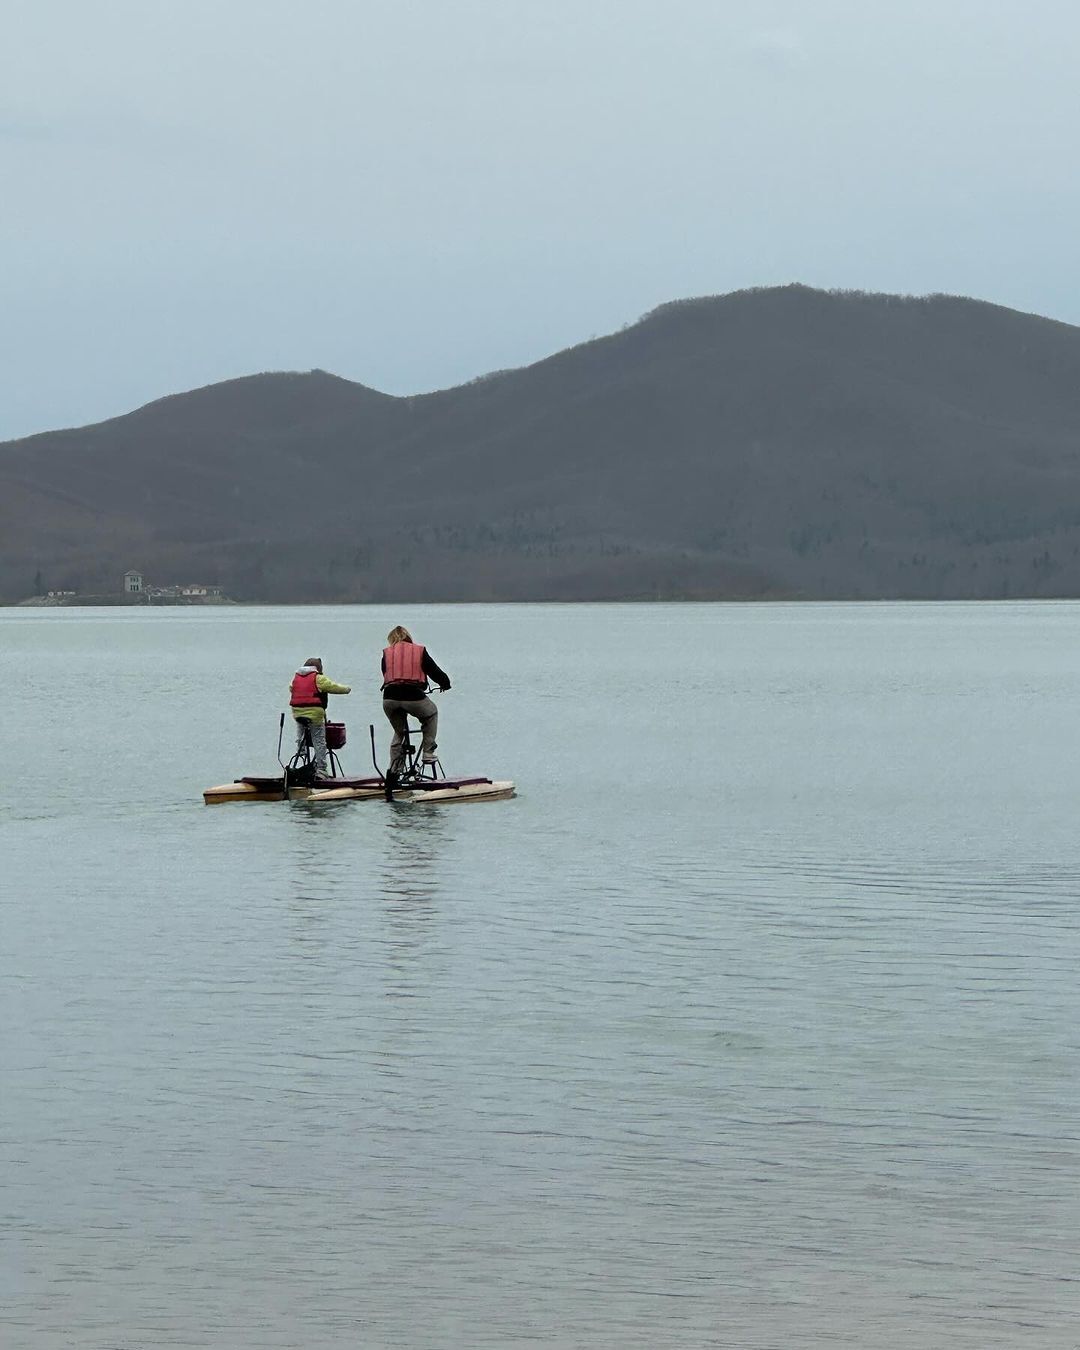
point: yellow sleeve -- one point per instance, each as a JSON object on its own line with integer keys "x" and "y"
{"x": 327, "y": 686}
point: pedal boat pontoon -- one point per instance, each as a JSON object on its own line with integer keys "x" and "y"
{"x": 254, "y": 789}
{"x": 416, "y": 781}
{"x": 440, "y": 790}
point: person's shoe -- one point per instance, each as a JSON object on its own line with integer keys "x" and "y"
{"x": 430, "y": 757}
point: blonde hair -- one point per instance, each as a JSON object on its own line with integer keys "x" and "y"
{"x": 398, "y": 634}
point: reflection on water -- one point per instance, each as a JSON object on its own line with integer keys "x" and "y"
{"x": 408, "y": 883}
{"x": 416, "y": 839}
{"x": 761, "y": 1039}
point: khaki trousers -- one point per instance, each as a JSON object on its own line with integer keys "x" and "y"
{"x": 397, "y": 709}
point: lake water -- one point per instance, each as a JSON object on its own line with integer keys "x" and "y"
{"x": 751, "y": 1022}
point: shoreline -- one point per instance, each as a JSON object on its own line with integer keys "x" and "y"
{"x": 101, "y": 603}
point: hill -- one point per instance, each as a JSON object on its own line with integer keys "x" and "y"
{"x": 773, "y": 442}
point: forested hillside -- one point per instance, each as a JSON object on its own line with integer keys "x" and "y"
{"x": 783, "y": 442}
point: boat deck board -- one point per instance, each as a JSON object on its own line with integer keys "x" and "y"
{"x": 256, "y": 789}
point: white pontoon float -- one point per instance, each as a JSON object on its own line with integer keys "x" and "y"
{"x": 411, "y": 781}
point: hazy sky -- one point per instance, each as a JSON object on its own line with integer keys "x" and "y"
{"x": 414, "y": 192}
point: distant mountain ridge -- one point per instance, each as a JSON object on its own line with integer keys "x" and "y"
{"x": 776, "y": 442}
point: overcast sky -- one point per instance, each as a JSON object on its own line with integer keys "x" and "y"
{"x": 413, "y": 192}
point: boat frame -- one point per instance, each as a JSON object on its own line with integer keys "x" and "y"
{"x": 414, "y": 781}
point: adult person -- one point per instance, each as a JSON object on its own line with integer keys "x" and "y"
{"x": 308, "y": 696}
{"x": 406, "y": 669}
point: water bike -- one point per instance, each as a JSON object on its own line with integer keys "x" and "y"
{"x": 409, "y": 779}
{"x": 298, "y": 776}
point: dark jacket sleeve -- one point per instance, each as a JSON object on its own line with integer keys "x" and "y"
{"x": 433, "y": 672}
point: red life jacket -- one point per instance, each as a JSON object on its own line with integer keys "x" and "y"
{"x": 403, "y": 663}
{"x": 304, "y": 691}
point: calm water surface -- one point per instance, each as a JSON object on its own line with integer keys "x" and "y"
{"x": 752, "y": 1022}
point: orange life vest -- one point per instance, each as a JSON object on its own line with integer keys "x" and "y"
{"x": 304, "y": 691}
{"x": 403, "y": 663}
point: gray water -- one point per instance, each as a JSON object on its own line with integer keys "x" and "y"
{"x": 751, "y": 1022}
